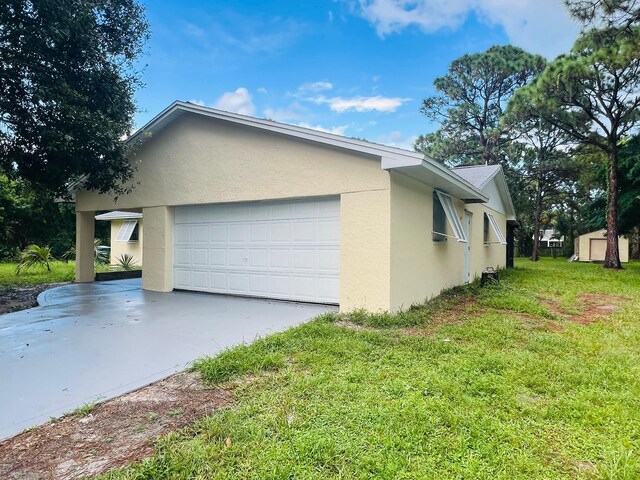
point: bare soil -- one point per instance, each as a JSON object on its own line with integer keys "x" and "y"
{"x": 14, "y": 298}
{"x": 112, "y": 434}
{"x": 594, "y": 307}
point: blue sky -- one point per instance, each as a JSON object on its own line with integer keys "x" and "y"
{"x": 358, "y": 68}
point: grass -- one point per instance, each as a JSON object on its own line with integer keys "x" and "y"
{"x": 60, "y": 272}
{"x": 466, "y": 387}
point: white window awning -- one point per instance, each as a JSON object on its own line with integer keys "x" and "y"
{"x": 452, "y": 216}
{"x": 496, "y": 228}
{"x": 126, "y": 230}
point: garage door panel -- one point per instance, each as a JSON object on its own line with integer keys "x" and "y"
{"x": 201, "y": 279}
{"x": 219, "y": 233}
{"x": 182, "y": 233}
{"x": 237, "y": 282}
{"x": 200, "y": 257}
{"x": 329, "y": 231}
{"x": 303, "y": 259}
{"x": 217, "y": 257}
{"x": 218, "y": 280}
{"x": 258, "y": 257}
{"x": 279, "y": 258}
{"x": 328, "y": 260}
{"x": 183, "y": 256}
{"x": 259, "y": 232}
{"x": 182, "y": 278}
{"x": 237, "y": 257}
{"x": 304, "y": 231}
{"x": 281, "y": 249}
{"x": 279, "y": 232}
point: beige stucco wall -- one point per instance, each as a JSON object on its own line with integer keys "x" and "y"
{"x": 420, "y": 267}
{"x": 121, "y": 248}
{"x": 365, "y": 250}
{"x": 199, "y": 160}
{"x": 583, "y": 243}
{"x": 483, "y": 255}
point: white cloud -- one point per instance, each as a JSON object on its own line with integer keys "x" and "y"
{"x": 397, "y": 139}
{"x": 292, "y": 113}
{"x": 262, "y": 90}
{"x": 315, "y": 87}
{"x": 239, "y": 101}
{"x": 330, "y": 16}
{"x": 340, "y": 130}
{"x": 541, "y": 26}
{"x": 362, "y": 104}
{"x": 198, "y": 102}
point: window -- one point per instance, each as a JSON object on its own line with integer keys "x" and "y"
{"x": 486, "y": 229}
{"x": 496, "y": 228}
{"x": 446, "y": 203}
{"x": 439, "y": 233}
{"x": 128, "y": 231}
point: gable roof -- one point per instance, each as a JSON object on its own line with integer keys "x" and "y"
{"x": 481, "y": 175}
{"x": 410, "y": 163}
{"x": 478, "y": 175}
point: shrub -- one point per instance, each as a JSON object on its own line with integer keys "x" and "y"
{"x": 34, "y": 256}
{"x": 126, "y": 261}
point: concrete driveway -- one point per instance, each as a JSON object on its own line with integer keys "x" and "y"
{"x": 95, "y": 341}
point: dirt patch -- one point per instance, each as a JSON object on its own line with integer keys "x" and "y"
{"x": 452, "y": 315}
{"x": 113, "y": 434}
{"x": 538, "y": 323}
{"x": 14, "y": 298}
{"x": 593, "y": 307}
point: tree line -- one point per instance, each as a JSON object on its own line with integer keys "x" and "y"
{"x": 564, "y": 131}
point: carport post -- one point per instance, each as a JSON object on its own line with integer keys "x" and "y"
{"x": 85, "y": 231}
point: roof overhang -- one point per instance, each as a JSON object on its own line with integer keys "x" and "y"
{"x": 438, "y": 176}
{"x": 178, "y": 109}
{"x": 118, "y": 215}
{"x": 407, "y": 162}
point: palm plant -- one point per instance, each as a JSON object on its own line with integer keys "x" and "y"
{"x": 126, "y": 261}
{"x": 34, "y": 256}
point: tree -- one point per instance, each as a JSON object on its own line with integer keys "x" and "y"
{"x": 606, "y": 14}
{"x": 67, "y": 79}
{"x": 592, "y": 94}
{"x": 545, "y": 163}
{"x": 471, "y": 100}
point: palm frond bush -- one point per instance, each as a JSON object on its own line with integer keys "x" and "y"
{"x": 126, "y": 261}
{"x": 34, "y": 256}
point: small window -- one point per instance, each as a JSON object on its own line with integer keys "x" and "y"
{"x": 439, "y": 233}
{"x": 128, "y": 231}
{"x": 446, "y": 203}
{"x": 486, "y": 229}
{"x": 496, "y": 228}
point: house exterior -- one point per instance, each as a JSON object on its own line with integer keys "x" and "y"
{"x": 592, "y": 246}
{"x": 238, "y": 205}
{"x": 549, "y": 238}
{"x": 126, "y": 235}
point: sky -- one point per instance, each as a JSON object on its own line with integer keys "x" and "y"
{"x": 358, "y": 68}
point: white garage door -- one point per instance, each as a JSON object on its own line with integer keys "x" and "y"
{"x": 282, "y": 249}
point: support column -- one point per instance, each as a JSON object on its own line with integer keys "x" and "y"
{"x": 157, "y": 249}
{"x": 85, "y": 232}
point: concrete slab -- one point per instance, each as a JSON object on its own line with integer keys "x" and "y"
{"x": 95, "y": 341}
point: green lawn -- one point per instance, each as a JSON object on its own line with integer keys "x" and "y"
{"x": 60, "y": 272}
{"x": 483, "y": 384}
